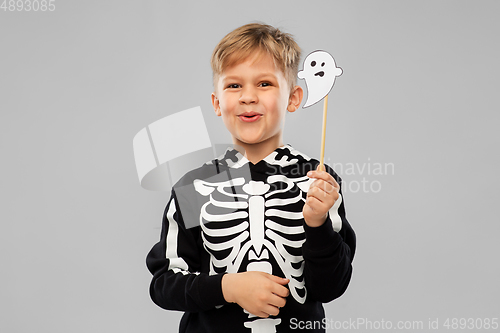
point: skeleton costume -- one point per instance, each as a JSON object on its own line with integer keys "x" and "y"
{"x": 230, "y": 216}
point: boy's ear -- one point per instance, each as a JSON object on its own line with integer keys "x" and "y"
{"x": 295, "y": 98}
{"x": 216, "y": 105}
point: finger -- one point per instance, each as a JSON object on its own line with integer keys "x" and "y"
{"x": 278, "y": 279}
{"x": 271, "y": 310}
{"x": 315, "y": 204}
{"x": 317, "y": 199}
{"x": 325, "y": 186}
{"x": 326, "y": 196}
{"x": 318, "y": 193}
{"x": 324, "y": 176}
{"x": 261, "y": 314}
{"x": 277, "y": 301}
{"x": 280, "y": 290}
{"x": 335, "y": 184}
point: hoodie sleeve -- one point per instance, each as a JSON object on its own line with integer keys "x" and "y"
{"x": 328, "y": 253}
{"x": 175, "y": 264}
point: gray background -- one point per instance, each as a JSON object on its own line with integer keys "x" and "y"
{"x": 419, "y": 90}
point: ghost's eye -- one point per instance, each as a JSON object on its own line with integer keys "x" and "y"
{"x": 313, "y": 63}
{"x": 322, "y": 64}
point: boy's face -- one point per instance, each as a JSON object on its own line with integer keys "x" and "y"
{"x": 254, "y": 87}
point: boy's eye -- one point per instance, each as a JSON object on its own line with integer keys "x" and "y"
{"x": 233, "y": 86}
{"x": 265, "y": 84}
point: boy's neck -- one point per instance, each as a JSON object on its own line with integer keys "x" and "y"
{"x": 256, "y": 152}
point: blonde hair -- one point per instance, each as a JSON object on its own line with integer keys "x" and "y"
{"x": 253, "y": 38}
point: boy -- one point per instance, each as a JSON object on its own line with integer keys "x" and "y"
{"x": 256, "y": 240}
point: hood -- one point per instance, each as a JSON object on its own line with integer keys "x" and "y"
{"x": 283, "y": 157}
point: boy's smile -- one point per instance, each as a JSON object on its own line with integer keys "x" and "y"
{"x": 252, "y": 97}
{"x": 250, "y": 116}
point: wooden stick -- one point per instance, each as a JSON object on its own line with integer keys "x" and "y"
{"x": 325, "y": 106}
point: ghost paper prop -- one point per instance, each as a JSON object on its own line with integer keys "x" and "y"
{"x": 319, "y": 72}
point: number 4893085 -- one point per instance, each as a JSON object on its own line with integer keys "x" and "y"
{"x": 28, "y": 5}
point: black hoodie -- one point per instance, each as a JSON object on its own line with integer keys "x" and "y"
{"x": 230, "y": 216}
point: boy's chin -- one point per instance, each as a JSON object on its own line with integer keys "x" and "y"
{"x": 252, "y": 140}
{"x": 244, "y": 140}
{"x": 250, "y": 143}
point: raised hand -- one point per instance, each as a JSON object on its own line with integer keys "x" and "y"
{"x": 321, "y": 196}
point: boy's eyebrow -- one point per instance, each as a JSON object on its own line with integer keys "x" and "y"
{"x": 231, "y": 77}
{"x": 236, "y": 77}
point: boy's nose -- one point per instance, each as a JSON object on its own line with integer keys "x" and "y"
{"x": 248, "y": 96}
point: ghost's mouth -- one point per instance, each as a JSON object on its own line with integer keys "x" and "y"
{"x": 320, "y": 74}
